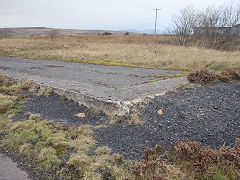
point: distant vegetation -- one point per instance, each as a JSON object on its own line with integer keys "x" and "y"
{"x": 213, "y": 27}
{"x": 105, "y": 34}
{"x": 132, "y": 50}
{"x": 44, "y": 32}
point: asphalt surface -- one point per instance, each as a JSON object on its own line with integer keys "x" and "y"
{"x": 10, "y": 170}
{"x": 102, "y": 82}
{"x": 61, "y": 110}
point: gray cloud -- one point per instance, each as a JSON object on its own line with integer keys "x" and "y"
{"x": 94, "y": 14}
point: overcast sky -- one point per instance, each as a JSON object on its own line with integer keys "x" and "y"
{"x": 95, "y": 14}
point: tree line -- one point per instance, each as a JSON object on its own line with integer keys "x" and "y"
{"x": 213, "y": 27}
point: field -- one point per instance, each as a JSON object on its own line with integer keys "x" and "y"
{"x": 44, "y": 31}
{"x": 133, "y": 50}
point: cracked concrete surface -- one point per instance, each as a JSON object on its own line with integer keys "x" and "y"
{"x": 112, "y": 89}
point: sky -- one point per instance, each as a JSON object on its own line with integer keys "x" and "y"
{"x": 96, "y": 14}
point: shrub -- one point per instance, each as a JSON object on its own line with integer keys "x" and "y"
{"x": 188, "y": 160}
{"x": 202, "y": 76}
{"x": 229, "y": 74}
{"x": 206, "y": 76}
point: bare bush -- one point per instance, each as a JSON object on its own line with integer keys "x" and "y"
{"x": 202, "y": 76}
{"x": 229, "y": 74}
{"x": 5, "y": 33}
{"x": 214, "y": 27}
{"x": 154, "y": 47}
{"x": 188, "y": 160}
{"x": 54, "y": 33}
{"x": 126, "y": 33}
{"x": 218, "y": 26}
{"x": 183, "y": 26}
{"x": 206, "y": 76}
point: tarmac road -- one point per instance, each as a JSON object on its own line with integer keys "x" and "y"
{"x": 9, "y": 170}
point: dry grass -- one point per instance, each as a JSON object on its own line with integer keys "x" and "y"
{"x": 134, "y": 50}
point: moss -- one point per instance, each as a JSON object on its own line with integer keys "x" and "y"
{"x": 159, "y": 78}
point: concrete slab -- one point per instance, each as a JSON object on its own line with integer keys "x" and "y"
{"x": 113, "y": 89}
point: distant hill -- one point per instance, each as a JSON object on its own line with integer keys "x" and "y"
{"x": 44, "y": 31}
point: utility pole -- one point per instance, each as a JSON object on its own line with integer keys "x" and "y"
{"x": 155, "y": 31}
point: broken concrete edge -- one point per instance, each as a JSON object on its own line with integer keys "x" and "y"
{"x": 109, "y": 107}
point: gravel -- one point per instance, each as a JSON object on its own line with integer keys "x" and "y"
{"x": 61, "y": 110}
{"x": 209, "y": 114}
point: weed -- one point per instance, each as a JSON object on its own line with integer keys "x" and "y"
{"x": 41, "y": 91}
{"x": 26, "y": 85}
{"x": 134, "y": 117}
{"x": 202, "y": 76}
{"x": 104, "y": 150}
{"x": 25, "y": 149}
{"x": 49, "y": 92}
{"x": 7, "y": 102}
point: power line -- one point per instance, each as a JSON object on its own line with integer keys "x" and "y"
{"x": 155, "y": 31}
